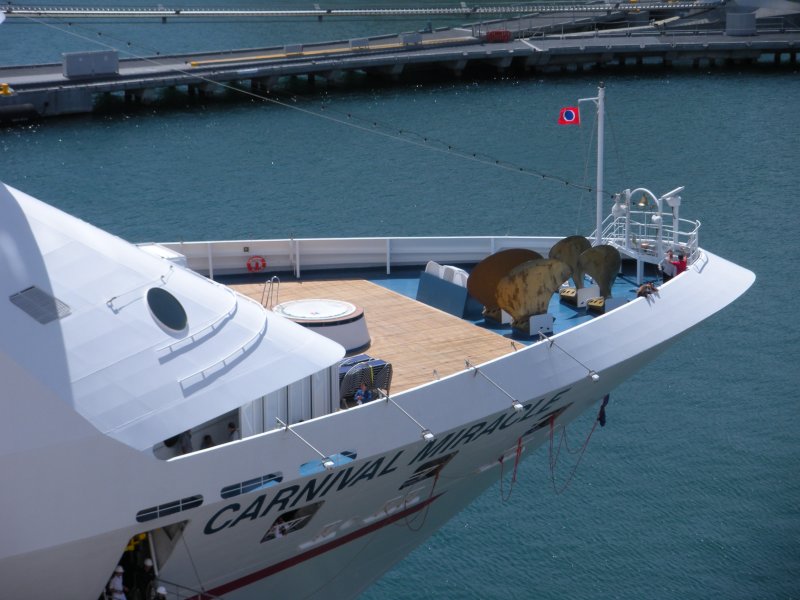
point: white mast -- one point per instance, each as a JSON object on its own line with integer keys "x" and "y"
{"x": 600, "y": 101}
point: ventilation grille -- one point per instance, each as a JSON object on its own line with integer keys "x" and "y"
{"x": 40, "y": 305}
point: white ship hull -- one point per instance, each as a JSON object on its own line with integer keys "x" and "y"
{"x": 71, "y": 492}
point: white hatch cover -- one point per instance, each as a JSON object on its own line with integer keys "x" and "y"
{"x": 337, "y": 320}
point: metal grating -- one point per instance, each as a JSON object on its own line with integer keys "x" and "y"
{"x": 40, "y": 305}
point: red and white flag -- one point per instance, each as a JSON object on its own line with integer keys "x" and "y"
{"x": 569, "y": 115}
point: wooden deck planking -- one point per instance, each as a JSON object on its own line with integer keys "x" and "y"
{"x": 414, "y": 337}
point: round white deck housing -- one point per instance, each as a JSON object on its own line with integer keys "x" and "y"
{"x": 337, "y": 320}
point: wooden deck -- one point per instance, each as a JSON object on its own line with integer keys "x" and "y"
{"x": 416, "y": 338}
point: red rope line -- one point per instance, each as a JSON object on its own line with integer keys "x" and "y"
{"x": 425, "y": 512}
{"x": 566, "y": 444}
{"x": 503, "y": 496}
{"x": 554, "y": 459}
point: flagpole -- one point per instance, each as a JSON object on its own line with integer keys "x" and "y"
{"x": 601, "y": 94}
{"x": 600, "y": 101}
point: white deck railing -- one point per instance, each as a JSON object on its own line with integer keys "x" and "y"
{"x": 639, "y": 238}
{"x": 298, "y": 255}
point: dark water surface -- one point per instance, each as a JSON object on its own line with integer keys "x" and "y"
{"x": 693, "y": 488}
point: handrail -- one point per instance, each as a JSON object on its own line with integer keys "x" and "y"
{"x": 240, "y": 351}
{"x": 676, "y": 32}
{"x": 643, "y": 238}
{"x": 163, "y": 279}
{"x": 293, "y": 255}
{"x": 209, "y": 327}
{"x": 273, "y": 288}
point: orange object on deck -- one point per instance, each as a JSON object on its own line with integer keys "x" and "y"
{"x": 497, "y": 36}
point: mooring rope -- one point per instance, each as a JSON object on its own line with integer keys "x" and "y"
{"x": 408, "y": 521}
{"x": 503, "y": 496}
{"x": 553, "y": 459}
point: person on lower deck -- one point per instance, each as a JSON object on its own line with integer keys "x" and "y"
{"x": 680, "y": 264}
{"x": 668, "y": 270}
{"x": 362, "y": 394}
{"x": 185, "y": 442}
{"x": 144, "y": 581}
{"x": 116, "y": 589}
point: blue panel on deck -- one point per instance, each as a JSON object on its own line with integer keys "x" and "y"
{"x": 441, "y": 294}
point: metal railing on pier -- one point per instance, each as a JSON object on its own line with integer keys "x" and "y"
{"x": 101, "y": 12}
{"x": 582, "y": 26}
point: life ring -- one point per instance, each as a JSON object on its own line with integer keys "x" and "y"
{"x": 256, "y": 264}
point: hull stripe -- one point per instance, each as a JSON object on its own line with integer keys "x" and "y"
{"x": 314, "y": 552}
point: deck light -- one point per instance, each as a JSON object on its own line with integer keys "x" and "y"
{"x": 517, "y": 406}
{"x": 594, "y": 376}
{"x": 428, "y": 436}
{"x": 328, "y": 464}
{"x": 672, "y": 196}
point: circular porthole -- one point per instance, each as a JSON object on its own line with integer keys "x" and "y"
{"x": 166, "y": 309}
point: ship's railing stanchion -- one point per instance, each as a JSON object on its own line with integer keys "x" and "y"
{"x": 327, "y": 462}
{"x": 592, "y": 374}
{"x": 515, "y": 404}
{"x": 427, "y": 434}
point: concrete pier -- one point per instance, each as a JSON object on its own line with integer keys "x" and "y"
{"x": 73, "y": 86}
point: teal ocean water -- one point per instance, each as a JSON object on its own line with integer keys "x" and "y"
{"x": 692, "y": 490}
